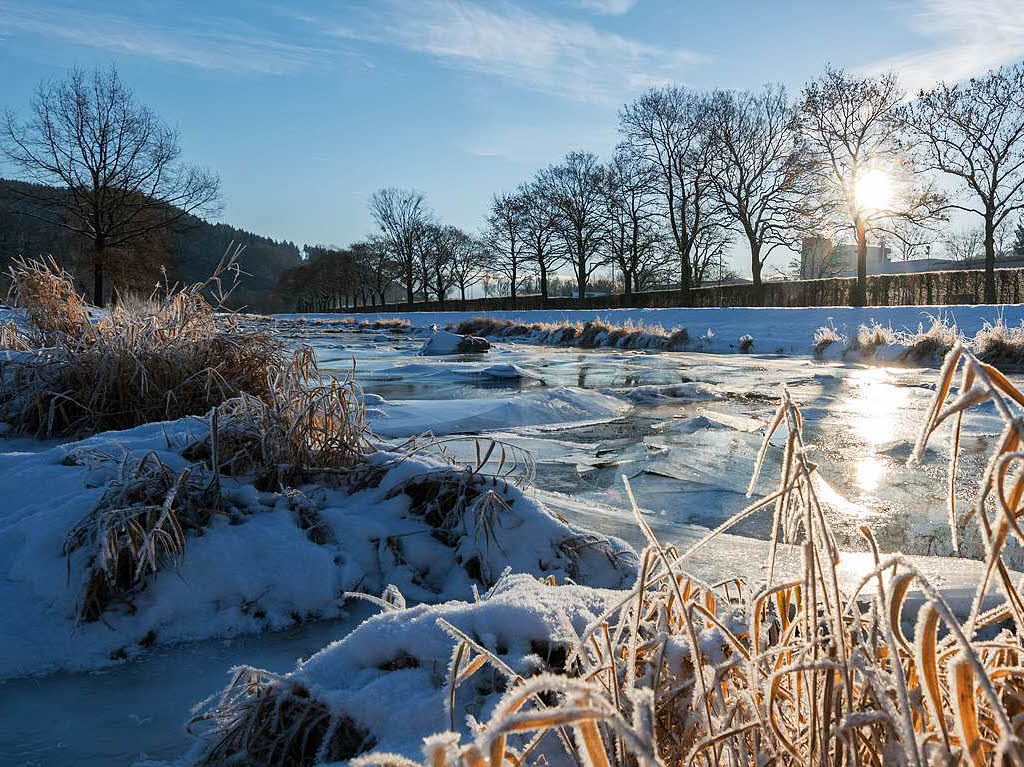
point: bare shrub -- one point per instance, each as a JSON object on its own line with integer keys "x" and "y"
{"x": 148, "y": 359}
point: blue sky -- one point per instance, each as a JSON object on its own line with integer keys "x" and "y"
{"x": 306, "y": 107}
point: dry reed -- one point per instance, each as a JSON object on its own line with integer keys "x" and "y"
{"x": 147, "y": 359}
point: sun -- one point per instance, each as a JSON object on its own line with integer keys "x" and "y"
{"x": 873, "y": 190}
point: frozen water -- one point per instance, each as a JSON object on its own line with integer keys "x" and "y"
{"x": 684, "y": 427}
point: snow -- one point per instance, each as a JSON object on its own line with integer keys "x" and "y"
{"x": 443, "y": 342}
{"x": 773, "y": 330}
{"x": 562, "y": 405}
{"x": 257, "y": 570}
{"x": 519, "y": 621}
{"x": 684, "y": 427}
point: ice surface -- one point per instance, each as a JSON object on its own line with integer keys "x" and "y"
{"x": 688, "y": 458}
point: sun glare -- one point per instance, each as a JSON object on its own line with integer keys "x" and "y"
{"x": 873, "y": 190}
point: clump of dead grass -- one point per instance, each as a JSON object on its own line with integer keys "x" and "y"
{"x": 139, "y": 527}
{"x": 870, "y": 337}
{"x": 935, "y": 342}
{"x": 591, "y": 334}
{"x": 150, "y": 359}
{"x": 824, "y": 337}
{"x": 267, "y": 719}
{"x": 305, "y": 426}
{"x": 795, "y": 671}
{"x": 1000, "y": 343}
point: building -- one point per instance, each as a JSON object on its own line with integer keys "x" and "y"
{"x": 820, "y": 257}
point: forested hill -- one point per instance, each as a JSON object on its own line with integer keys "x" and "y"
{"x": 189, "y": 252}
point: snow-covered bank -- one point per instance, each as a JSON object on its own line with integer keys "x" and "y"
{"x": 264, "y": 560}
{"x": 772, "y": 330}
{"x": 388, "y": 685}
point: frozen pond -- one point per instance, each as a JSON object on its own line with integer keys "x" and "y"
{"x": 684, "y": 427}
{"x": 688, "y": 450}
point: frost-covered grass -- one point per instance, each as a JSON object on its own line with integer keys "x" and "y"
{"x": 999, "y": 343}
{"x": 145, "y": 360}
{"x": 873, "y": 341}
{"x": 591, "y": 334}
{"x": 786, "y": 671}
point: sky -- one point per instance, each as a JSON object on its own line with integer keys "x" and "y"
{"x": 305, "y": 108}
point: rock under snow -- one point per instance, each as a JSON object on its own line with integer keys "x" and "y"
{"x": 443, "y": 342}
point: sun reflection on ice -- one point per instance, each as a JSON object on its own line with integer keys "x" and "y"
{"x": 875, "y": 406}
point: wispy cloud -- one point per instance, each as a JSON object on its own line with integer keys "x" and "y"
{"x": 968, "y": 37}
{"x": 607, "y": 7}
{"x": 558, "y": 56}
{"x": 227, "y": 45}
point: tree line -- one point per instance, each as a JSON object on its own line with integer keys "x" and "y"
{"x": 850, "y": 158}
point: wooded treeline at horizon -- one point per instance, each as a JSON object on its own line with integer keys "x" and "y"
{"x": 850, "y": 159}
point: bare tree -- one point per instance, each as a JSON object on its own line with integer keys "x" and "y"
{"x": 401, "y": 215}
{"x": 576, "y": 188}
{"x": 540, "y": 231}
{"x": 669, "y": 129}
{"x": 974, "y": 131}
{"x": 505, "y": 240}
{"x": 908, "y": 240}
{"x": 852, "y": 128}
{"x": 467, "y": 261}
{"x": 632, "y": 209}
{"x": 114, "y": 161}
{"x": 761, "y": 171}
{"x": 377, "y": 266}
{"x": 964, "y": 245}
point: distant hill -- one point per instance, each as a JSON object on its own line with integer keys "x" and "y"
{"x": 188, "y": 252}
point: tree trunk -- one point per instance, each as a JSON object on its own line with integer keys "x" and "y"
{"x": 97, "y": 274}
{"x": 408, "y": 286}
{"x": 990, "y": 258}
{"x": 627, "y": 282}
{"x": 755, "y": 270}
{"x": 543, "y": 281}
{"x": 860, "y": 290}
{"x": 581, "y": 282}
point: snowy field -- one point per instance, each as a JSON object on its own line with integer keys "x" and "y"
{"x": 684, "y": 427}
{"x": 774, "y": 330}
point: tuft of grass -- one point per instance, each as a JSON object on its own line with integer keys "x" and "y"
{"x": 824, "y": 337}
{"x": 157, "y": 358}
{"x": 934, "y": 343}
{"x": 302, "y": 427}
{"x": 870, "y": 337}
{"x": 138, "y": 527}
{"x": 266, "y": 719}
{"x": 999, "y": 343}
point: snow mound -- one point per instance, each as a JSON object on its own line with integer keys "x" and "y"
{"x": 388, "y": 681}
{"x": 442, "y": 342}
{"x": 266, "y": 560}
{"x": 470, "y": 416}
